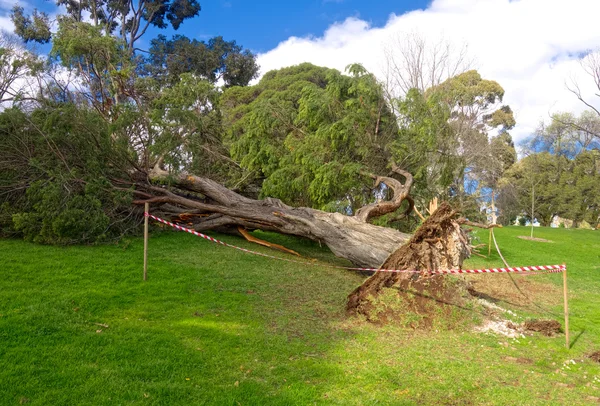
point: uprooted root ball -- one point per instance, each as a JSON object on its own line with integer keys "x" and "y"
{"x": 438, "y": 244}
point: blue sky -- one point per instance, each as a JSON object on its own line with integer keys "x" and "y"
{"x": 532, "y": 48}
{"x": 260, "y": 26}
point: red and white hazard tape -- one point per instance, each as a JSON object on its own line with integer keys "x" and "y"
{"x": 523, "y": 269}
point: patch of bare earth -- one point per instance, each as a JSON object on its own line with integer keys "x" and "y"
{"x": 530, "y": 292}
{"x": 509, "y": 329}
{"x": 501, "y": 327}
{"x": 548, "y": 328}
{"x": 595, "y": 356}
{"x": 523, "y": 237}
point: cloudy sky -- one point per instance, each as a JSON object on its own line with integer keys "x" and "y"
{"x": 531, "y": 47}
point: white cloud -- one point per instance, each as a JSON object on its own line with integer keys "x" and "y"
{"x": 6, "y": 24}
{"x": 529, "y": 46}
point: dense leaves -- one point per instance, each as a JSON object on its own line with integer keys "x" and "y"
{"x": 312, "y": 134}
{"x": 56, "y": 173}
{"x": 213, "y": 61}
{"x": 556, "y": 186}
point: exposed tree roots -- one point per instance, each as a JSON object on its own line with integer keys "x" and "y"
{"x": 439, "y": 243}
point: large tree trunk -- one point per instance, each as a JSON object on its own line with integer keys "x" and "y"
{"x": 217, "y": 207}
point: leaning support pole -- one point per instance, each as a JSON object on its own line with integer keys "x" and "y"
{"x": 146, "y": 212}
{"x": 566, "y": 305}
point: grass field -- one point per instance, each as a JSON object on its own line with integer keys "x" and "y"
{"x": 217, "y": 326}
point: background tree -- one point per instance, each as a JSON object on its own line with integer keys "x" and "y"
{"x": 567, "y": 134}
{"x": 126, "y": 20}
{"x": 215, "y": 61}
{"x": 580, "y": 185}
{"x": 537, "y": 182}
{"x": 413, "y": 62}
{"x": 475, "y": 111}
{"x": 33, "y": 28}
{"x": 18, "y": 69}
{"x": 590, "y": 64}
{"x": 502, "y": 155}
{"x": 426, "y": 145}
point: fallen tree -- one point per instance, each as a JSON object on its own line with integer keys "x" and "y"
{"x": 438, "y": 244}
{"x": 214, "y": 207}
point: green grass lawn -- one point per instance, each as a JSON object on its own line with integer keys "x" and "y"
{"x": 213, "y": 325}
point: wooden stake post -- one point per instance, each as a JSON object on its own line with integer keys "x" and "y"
{"x": 146, "y": 211}
{"x": 566, "y": 305}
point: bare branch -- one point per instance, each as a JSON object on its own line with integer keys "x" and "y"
{"x": 401, "y": 192}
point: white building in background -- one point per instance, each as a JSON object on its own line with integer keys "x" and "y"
{"x": 528, "y": 224}
{"x": 566, "y": 223}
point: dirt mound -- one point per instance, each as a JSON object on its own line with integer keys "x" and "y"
{"x": 523, "y": 237}
{"x": 595, "y": 356}
{"x": 546, "y": 327}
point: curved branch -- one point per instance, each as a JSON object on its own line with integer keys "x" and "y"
{"x": 401, "y": 193}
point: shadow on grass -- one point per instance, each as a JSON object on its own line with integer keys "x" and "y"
{"x": 577, "y": 337}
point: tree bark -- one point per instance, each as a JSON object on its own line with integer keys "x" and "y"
{"x": 216, "y": 207}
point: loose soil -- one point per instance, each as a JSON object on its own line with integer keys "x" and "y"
{"x": 547, "y": 327}
{"x": 595, "y": 356}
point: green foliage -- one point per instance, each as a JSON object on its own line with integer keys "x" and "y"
{"x": 133, "y": 19}
{"x": 187, "y": 127}
{"x": 580, "y": 184}
{"x": 311, "y": 132}
{"x": 16, "y": 66}
{"x": 217, "y": 59}
{"x": 473, "y": 100}
{"x": 559, "y": 186}
{"x": 426, "y": 144}
{"x": 566, "y": 134}
{"x": 77, "y": 43}
{"x": 59, "y": 216}
{"x": 34, "y": 28}
{"x": 58, "y": 163}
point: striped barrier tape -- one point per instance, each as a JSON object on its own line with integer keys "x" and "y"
{"x": 529, "y": 270}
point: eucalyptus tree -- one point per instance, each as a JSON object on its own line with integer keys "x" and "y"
{"x": 126, "y": 20}
{"x": 215, "y": 61}
{"x": 19, "y": 67}
{"x": 567, "y": 134}
{"x": 476, "y": 111}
